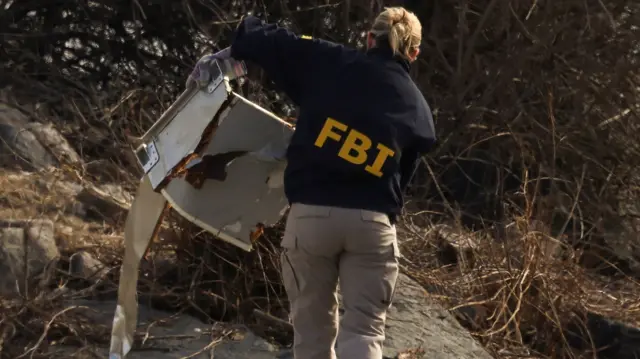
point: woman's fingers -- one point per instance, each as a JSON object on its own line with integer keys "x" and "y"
{"x": 201, "y": 73}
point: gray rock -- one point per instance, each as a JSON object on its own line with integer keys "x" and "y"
{"x": 550, "y": 246}
{"x": 172, "y": 336}
{"x": 11, "y": 253}
{"x": 31, "y": 145}
{"x": 19, "y": 147}
{"x": 84, "y": 265}
{"x": 454, "y": 247}
{"x": 611, "y": 339}
{"x": 55, "y": 142}
{"x": 415, "y": 322}
{"x": 103, "y": 202}
{"x": 245, "y": 346}
{"x": 25, "y": 244}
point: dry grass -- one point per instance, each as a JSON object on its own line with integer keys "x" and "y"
{"x": 516, "y": 298}
{"x": 29, "y": 324}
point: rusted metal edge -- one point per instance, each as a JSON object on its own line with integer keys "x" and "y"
{"x": 179, "y": 169}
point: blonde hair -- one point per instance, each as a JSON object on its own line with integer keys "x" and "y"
{"x": 401, "y": 27}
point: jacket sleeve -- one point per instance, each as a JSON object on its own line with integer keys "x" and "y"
{"x": 424, "y": 134}
{"x": 408, "y": 166}
{"x": 425, "y": 131}
{"x": 286, "y": 57}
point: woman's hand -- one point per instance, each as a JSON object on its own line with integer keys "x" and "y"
{"x": 201, "y": 74}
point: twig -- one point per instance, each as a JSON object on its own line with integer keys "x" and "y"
{"x": 46, "y": 330}
{"x": 260, "y": 314}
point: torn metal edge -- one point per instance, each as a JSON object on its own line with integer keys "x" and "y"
{"x": 216, "y": 232}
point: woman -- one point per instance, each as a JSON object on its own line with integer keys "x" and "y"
{"x": 362, "y": 126}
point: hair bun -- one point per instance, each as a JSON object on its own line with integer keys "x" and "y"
{"x": 401, "y": 28}
{"x": 398, "y": 17}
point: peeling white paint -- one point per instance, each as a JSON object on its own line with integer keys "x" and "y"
{"x": 276, "y": 178}
{"x": 235, "y": 227}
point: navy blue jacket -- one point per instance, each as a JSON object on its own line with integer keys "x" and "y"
{"x": 362, "y": 124}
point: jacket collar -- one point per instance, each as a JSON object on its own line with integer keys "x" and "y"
{"x": 385, "y": 53}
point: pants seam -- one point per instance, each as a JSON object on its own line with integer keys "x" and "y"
{"x": 293, "y": 271}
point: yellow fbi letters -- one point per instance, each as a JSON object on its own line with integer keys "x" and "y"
{"x": 355, "y": 147}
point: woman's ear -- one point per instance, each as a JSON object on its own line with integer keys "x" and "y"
{"x": 413, "y": 53}
{"x": 371, "y": 40}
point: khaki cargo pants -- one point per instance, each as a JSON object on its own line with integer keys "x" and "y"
{"x": 358, "y": 248}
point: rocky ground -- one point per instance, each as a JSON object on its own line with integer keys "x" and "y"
{"x": 61, "y": 239}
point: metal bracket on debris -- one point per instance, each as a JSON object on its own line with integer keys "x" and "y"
{"x": 147, "y": 156}
{"x": 217, "y": 76}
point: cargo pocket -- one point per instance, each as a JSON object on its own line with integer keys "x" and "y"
{"x": 289, "y": 276}
{"x": 378, "y": 234}
{"x": 394, "y": 270}
{"x": 301, "y": 211}
{"x": 289, "y": 245}
{"x": 376, "y": 217}
{"x": 314, "y": 230}
{"x": 396, "y": 249}
{"x": 289, "y": 239}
